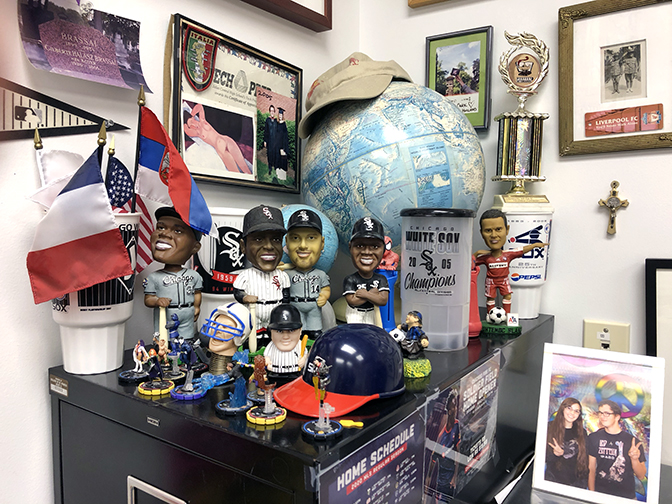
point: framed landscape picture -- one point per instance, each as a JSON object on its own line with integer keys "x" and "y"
{"x": 458, "y": 67}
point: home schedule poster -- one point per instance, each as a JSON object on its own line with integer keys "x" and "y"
{"x": 387, "y": 470}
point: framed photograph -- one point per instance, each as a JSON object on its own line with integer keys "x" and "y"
{"x": 659, "y": 328}
{"x": 599, "y": 427}
{"x": 458, "y": 67}
{"x": 235, "y": 110}
{"x": 613, "y": 83}
{"x": 312, "y": 14}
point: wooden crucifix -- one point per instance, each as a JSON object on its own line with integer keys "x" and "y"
{"x": 613, "y": 203}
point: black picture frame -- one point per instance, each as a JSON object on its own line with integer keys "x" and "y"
{"x": 231, "y": 86}
{"x": 654, "y": 311}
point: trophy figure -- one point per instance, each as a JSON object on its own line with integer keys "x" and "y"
{"x": 523, "y": 67}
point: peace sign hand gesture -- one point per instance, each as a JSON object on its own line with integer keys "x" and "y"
{"x": 634, "y": 452}
{"x": 558, "y": 450}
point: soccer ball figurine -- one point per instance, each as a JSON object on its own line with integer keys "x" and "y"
{"x": 497, "y": 315}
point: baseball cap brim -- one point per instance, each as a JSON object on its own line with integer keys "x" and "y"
{"x": 265, "y": 227}
{"x": 299, "y": 397}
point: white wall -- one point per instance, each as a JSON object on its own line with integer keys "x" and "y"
{"x": 33, "y": 337}
{"x": 590, "y": 275}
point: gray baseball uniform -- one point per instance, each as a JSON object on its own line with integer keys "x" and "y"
{"x": 180, "y": 288}
{"x": 303, "y": 293}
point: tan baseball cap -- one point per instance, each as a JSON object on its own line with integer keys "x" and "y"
{"x": 357, "y": 77}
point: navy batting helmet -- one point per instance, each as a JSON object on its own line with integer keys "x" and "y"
{"x": 285, "y": 317}
{"x": 366, "y": 363}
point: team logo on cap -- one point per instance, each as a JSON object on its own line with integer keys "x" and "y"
{"x": 285, "y": 315}
{"x": 304, "y": 216}
{"x": 354, "y": 61}
{"x": 368, "y": 223}
{"x": 267, "y": 213}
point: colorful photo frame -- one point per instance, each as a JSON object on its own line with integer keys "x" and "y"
{"x": 599, "y": 427}
{"x": 458, "y": 67}
{"x": 217, "y": 84}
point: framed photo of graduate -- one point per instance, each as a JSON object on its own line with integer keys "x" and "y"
{"x": 458, "y": 67}
{"x": 614, "y": 91}
{"x": 234, "y": 110}
{"x": 599, "y": 429}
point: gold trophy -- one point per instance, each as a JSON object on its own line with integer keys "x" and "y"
{"x": 523, "y": 67}
{"x": 529, "y": 216}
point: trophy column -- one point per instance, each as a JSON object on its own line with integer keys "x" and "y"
{"x": 529, "y": 216}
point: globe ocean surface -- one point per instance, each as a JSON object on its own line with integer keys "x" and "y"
{"x": 407, "y": 148}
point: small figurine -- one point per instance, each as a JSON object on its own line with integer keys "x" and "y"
{"x": 285, "y": 354}
{"x": 186, "y": 352}
{"x": 227, "y": 327}
{"x": 388, "y": 268}
{"x": 175, "y": 288}
{"x": 161, "y": 349}
{"x": 138, "y": 373}
{"x": 494, "y": 228}
{"x": 323, "y": 427}
{"x": 263, "y": 286}
{"x": 310, "y": 289}
{"x": 237, "y": 401}
{"x": 157, "y": 385}
{"x": 269, "y": 413}
{"x": 365, "y": 289}
{"x": 413, "y": 340}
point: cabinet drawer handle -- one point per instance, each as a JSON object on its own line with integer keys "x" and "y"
{"x": 133, "y": 483}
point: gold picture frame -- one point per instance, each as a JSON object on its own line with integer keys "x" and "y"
{"x": 586, "y": 29}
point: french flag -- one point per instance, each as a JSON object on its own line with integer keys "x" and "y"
{"x": 77, "y": 244}
{"x": 163, "y": 177}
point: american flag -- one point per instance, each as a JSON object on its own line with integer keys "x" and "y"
{"x": 119, "y": 185}
{"x": 120, "y": 190}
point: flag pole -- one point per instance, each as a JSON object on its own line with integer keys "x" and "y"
{"x": 141, "y": 103}
{"x": 102, "y": 140}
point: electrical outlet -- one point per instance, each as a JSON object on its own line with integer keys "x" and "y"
{"x": 613, "y": 336}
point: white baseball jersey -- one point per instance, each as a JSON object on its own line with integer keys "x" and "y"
{"x": 283, "y": 362}
{"x": 266, "y": 286}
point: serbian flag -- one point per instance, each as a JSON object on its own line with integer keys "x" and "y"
{"x": 163, "y": 177}
{"x": 77, "y": 244}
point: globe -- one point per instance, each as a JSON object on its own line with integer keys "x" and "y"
{"x": 408, "y": 148}
{"x": 328, "y": 232}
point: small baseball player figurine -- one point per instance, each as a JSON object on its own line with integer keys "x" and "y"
{"x": 388, "y": 268}
{"x": 365, "y": 289}
{"x": 323, "y": 427}
{"x": 286, "y": 353}
{"x": 494, "y": 228}
{"x": 228, "y": 327}
{"x": 263, "y": 286}
{"x": 310, "y": 289}
{"x": 175, "y": 288}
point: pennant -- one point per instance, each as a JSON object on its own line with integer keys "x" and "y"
{"x": 77, "y": 244}
{"x": 24, "y": 109}
{"x": 163, "y": 177}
